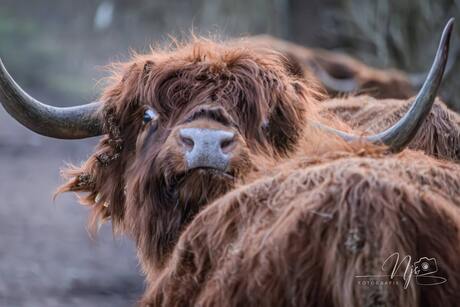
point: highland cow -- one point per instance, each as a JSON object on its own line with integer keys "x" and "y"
{"x": 212, "y": 158}
{"x": 439, "y": 135}
{"x": 339, "y": 73}
{"x": 317, "y": 232}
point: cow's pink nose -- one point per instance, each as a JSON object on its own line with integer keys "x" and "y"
{"x": 207, "y": 148}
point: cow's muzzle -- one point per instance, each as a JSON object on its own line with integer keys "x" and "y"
{"x": 207, "y": 148}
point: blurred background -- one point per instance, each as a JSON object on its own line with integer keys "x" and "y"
{"x": 57, "y": 50}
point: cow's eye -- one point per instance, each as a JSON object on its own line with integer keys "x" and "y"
{"x": 149, "y": 115}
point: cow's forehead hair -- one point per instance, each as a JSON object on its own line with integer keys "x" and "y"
{"x": 254, "y": 85}
{"x": 236, "y": 78}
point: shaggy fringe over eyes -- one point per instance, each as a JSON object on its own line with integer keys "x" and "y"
{"x": 260, "y": 85}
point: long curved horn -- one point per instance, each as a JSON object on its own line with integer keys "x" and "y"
{"x": 63, "y": 123}
{"x": 402, "y": 132}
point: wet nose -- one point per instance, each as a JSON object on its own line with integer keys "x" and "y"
{"x": 207, "y": 147}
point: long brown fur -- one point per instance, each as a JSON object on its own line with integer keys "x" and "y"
{"x": 132, "y": 176}
{"x": 301, "y": 237}
{"x": 378, "y": 83}
{"x": 138, "y": 179}
{"x": 438, "y": 136}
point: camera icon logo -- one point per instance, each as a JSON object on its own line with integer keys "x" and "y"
{"x": 425, "y": 266}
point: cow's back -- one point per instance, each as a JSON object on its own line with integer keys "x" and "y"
{"x": 305, "y": 236}
{"x": 439, "y": 135}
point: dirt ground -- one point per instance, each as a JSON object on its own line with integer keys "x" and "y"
{"x": 47, "y": 257}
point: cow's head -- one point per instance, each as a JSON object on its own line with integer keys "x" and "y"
{"x": 184, "y": 126}
{"x": 180, "y": 128}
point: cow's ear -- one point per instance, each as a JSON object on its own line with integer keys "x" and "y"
{"x": 126, "y": 91}
{"x": 124, "y": 99}
{"x": 284, "y": 126}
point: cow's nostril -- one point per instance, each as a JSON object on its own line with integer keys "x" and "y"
{"x": 228, "y": 145}
{"x": 187, "y": 142}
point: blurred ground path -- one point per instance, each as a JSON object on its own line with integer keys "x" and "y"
{"x": 46, "y": 255}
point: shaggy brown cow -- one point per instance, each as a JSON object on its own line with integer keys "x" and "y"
{"x": 438, "y": 136}
{"x": 186, "y": 126}
{"x": 310, "y": 235}
{"x": 340, "y": 73}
